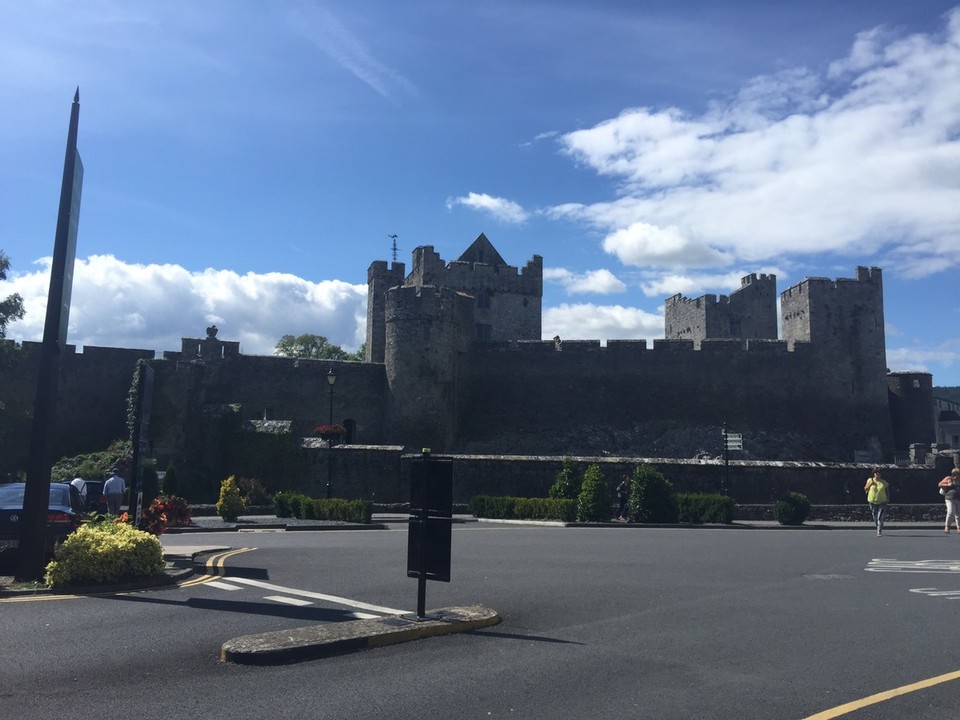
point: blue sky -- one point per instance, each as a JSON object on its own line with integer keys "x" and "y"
{"x": 246, "y": 161}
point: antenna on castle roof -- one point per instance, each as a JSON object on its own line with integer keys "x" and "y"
{"x": 394, "y": 238}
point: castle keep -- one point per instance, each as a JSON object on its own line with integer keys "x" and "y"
{"x": 455, "y": 362}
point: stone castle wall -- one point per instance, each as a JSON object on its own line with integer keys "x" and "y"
{"x": 532, "y": 397}
{"x": 91, "y": 400}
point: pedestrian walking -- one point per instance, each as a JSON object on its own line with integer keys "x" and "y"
{"x": 623, "y": 494}
{"x": 113, "y": 490}
{"x": 950, "y": 489}
{"x": 878, "y": 495}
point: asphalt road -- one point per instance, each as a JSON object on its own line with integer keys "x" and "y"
{"x": 597, "y": 623}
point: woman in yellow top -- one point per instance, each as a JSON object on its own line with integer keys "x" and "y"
{"x": 950, "y": 489}
{"x": 878, "y": 496}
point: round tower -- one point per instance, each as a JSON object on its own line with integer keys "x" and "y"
{"x": 911, "y": 409}
{"x": 427, "y": 329}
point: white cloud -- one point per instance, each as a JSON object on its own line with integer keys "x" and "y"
{"x": 641, "y": 244}
{"x": 906, "y": 359}
{"x": 500, "y": 208}
{"x": 118, "y": 304}
{"x": 601, "y": 282}
{"x": 600, "y": 322}
{"x": 695, "y": 285}
{"x": 861, "y": 160}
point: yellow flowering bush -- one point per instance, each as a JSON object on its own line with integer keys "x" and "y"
{"x": 230, "y": 504}
{"x": 105, "y": 552}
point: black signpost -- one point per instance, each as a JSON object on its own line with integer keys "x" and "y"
{"x": 431, "y": 520}
{"x": 731, "y": 441}
{"x": 36, "y": 495}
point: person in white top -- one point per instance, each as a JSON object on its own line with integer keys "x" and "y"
{"x": 81, "y": 487}
{"x": 113, "y": 489}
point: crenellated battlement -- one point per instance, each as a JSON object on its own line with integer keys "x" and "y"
{"x": 625, "y": 348}
{"x": 747, "y": 313}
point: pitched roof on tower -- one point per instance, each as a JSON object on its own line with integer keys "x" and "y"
{"x": 482, "y": 251}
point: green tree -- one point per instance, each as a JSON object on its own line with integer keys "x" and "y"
{"x": 652, "y": 497}
{"x": 11, "y": 307}
{"x": 593, "y": 502}
{"x": 230, "y": 504}
{"x": 360, "y": 354}
{"x": 315, "y": 347}
{"x": 566, "y": 486}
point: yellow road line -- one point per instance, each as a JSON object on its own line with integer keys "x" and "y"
{"x": 881, "y": 697}
{"x": 40, "y": 596}
{"x": 215, "y": 567}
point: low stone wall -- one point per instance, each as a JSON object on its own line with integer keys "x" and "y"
{"x": 850, "y": 513}
{"x": 381, "y": 474}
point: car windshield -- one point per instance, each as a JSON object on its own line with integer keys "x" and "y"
{"x": 12, "y": 494}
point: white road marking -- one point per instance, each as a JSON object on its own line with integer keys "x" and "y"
{"x": 221, "y": 585}
{"x": 287, "y": 600}
{"x": 363, "y": 616}
{"x": 933, "y": 592}
{"x": 913, "y": 566}
{"x": 320, "y": 596}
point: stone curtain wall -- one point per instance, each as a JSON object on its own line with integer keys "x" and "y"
{"x": 198, "y": 406}
{"x": 91, "y": 401}
{"x": 626, "y": 398}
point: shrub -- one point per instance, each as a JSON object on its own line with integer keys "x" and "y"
{"x": 593, "y": 502}
{"x": 497, "y": 508}
{"x": 150, "y": 484}
{"x": 294, "y": 502}
{"x": 170, "y": 484}
{"x": 792, "y": 509}
{"x": 105, "y": 552}
{"x": 338, "y": 509}
{"x": 230, "y": 504}
{"x": 94, "y": 466}
{"x": 546, "y": 509}
{"x": 253, "y": 491}
{"x": 704, "y": 508}
{"x": 281, "y": 504}
{"x": 514, "y": 508}
{"x": 652, "y": 497}
{"x": 565, "y": 486}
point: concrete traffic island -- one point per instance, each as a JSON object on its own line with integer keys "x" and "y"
{"x": 318, "y": 641}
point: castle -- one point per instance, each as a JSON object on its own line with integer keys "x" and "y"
{"x": 455, "y": 362}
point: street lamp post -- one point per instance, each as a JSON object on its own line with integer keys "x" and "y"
{"x": 331, "y": 380}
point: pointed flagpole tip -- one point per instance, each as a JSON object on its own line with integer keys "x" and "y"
{"x": 76, "y": 96}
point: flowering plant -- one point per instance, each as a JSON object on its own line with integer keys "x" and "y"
{"x": 176, "y": 509}
{"x": 330, "y": 429}
{"x": 153, "y": 520}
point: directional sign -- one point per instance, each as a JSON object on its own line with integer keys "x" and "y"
{"x": 734, "y": 441}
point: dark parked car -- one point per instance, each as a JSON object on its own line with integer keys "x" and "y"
{"x": 63, "y": 514}
{"x": 95, "y": 500}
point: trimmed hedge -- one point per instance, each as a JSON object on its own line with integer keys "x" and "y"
{"x": 516, "y": 508}
{"x": 704, "y": 508}
{"x": 792, "y": 509}
{"x": 297, "y": 505}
